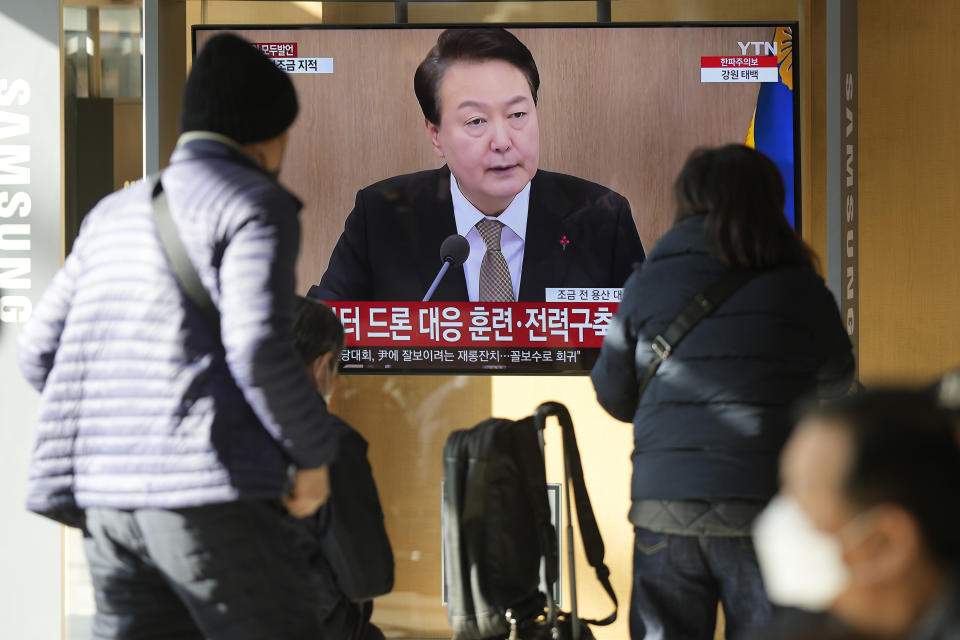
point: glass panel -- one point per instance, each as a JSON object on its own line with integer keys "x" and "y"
{"x": 78, "y": 49}
{"x": 120, "y": 53}
{"x": 102, "y": 120}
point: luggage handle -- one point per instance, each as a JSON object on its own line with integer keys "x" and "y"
{"x": 589, "y": 531}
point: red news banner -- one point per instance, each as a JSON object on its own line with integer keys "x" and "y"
{"x": 475, "y": 324}
{"x": 739, "y": 69}
{"x": 563, "y": 336}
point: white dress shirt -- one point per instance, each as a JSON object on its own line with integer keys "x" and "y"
{"x": 512, "y": 236}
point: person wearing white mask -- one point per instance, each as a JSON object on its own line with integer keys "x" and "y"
{"x": 866, "y": 527}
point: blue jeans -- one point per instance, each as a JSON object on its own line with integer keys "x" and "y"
{"x": 678, "y": 581}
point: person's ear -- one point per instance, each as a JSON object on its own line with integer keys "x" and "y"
{"x": 902, "y": 538}
{"x": 258, "y": 153}
{"x": 893, "y": 543}
{"x": 320, "y": 372}
{"x": 433, "y": 132}
{"x": 282, "y": 151}
{"x": 268, "y": 154}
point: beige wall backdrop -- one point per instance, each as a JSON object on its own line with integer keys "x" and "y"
{"x": 909, "y": 190}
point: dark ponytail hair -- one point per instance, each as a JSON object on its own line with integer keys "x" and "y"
{"x": 741, "y": 193}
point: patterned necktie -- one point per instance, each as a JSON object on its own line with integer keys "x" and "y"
{"x": 495, "y": 282}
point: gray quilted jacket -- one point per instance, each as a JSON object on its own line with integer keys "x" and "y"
{"x": 140, "y": 407}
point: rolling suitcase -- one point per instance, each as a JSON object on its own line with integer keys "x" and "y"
{"x": 497, "y": 532}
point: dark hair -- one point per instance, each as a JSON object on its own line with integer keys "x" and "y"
{"x": 904, "y": 452}
{"x": 741, "y": 193}
{"x": 316, "y": 330}
{"x": 469, "y": 45}
{"x": 235, "y": 90}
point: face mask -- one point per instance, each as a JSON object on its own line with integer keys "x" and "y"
{"x": 801, "y": 565}
{"x": 330, "y": 376}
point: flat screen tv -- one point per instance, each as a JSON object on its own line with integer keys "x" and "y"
{"x": 618, "y": 109}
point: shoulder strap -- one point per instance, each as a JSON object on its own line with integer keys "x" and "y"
{"x": 183, "y": 269}
{"x": 696, "y": 310}
{"x": 589, "y": 531}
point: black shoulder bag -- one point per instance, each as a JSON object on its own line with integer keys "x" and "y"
{"x": 702, "y": 305}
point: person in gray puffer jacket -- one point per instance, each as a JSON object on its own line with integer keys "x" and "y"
{"x": 710, "y": 426}
{"x": 183, "y": 455}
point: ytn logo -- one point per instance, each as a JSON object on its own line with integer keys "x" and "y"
{"x": 759, "y": 48}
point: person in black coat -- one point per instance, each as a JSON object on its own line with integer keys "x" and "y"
{"x": 349, "y": 552}
{"x": 710, "y": 426}
{"x": 478, "y": 92}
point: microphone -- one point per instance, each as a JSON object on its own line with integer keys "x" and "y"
{"x": 453, "y": 252}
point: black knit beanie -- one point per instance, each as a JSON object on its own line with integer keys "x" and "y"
{"x": 235, "y": 90}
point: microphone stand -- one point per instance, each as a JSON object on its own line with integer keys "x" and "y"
{"x": 436, "y": 281}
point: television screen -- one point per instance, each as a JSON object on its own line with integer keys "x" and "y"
{"x": 556, "y": 195}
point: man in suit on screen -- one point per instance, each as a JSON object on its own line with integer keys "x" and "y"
{"x": 528, "y": 229}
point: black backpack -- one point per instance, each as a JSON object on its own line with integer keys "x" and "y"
{"x": 496, "y": 531}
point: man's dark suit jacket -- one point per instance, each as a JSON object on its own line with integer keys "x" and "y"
{"x": 390, "y": 246}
